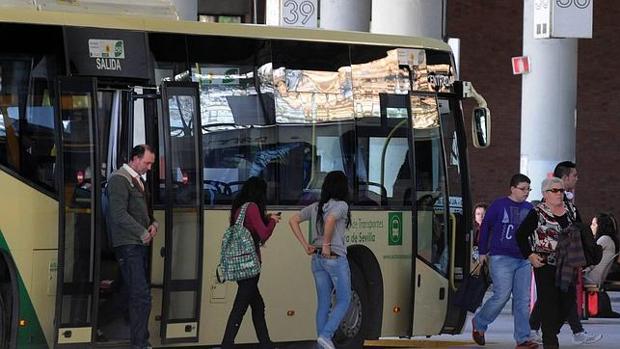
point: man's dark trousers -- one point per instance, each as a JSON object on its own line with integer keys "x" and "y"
{"x": 133, "y": 263}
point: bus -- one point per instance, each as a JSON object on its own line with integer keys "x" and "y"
{"x": 220, "y": 103}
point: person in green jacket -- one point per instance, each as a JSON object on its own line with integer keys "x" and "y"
{"x": 132, "y": 228}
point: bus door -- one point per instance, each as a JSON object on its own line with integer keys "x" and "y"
{"x": 79, "y": 220}
{"x": 432, "y": 244}
{"x": 454, "y": 145}
{"x": 183, "y": 200}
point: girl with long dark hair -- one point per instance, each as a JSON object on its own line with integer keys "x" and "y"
{"x": 330, "y": 217}
{"x": 261, "y": 225}
{"x": 605, "y": 231}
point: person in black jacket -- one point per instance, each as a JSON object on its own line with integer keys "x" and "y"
{"x": 567, "y": 172}
{"x": 538, "y": 237}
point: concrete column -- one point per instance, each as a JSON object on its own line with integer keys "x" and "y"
{"x": 548, "y": 102}
{"x": 408, "y": 17}
{"x": 187, "y": 9}
{"x": 351, "y": 15}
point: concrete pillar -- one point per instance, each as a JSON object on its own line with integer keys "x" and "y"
{"x": 408, "y": 17}
{"x": 187, "y": 9}
{"x": 353, "y": 15}
{"x": 548, "y": 102}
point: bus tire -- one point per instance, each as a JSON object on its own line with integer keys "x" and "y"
{"x": 5, "y": 312}
{"x": 351, "y": 334}
{"x": 366, "y": 260}
{"x": 4, "y": 331}
{"x": 8, "y": 301}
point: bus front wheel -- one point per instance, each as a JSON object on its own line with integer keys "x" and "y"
{"x": 4, "y": 334}
{"x": 350, "y": 334}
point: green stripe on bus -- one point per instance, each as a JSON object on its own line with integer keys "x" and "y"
{"x": 30, "y": 336}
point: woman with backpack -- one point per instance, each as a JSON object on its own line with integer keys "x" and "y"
{"x": 261, "y": 226}
{"x": 329, "y": 218}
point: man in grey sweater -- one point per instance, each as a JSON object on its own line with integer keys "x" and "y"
{"x": 132, "y": 228}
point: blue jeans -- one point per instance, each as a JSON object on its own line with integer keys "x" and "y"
{"x": 509, "y": 275}
{"x": 330, "y": 273}
{"x": 133, "y": 262}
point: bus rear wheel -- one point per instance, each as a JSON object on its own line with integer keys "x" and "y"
{"x": 351, "y": 333}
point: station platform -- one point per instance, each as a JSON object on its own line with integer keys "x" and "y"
{"x": 499, "y": 334}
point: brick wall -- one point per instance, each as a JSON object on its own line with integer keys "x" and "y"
{"x": 491, "y": 33}
{"x": 598, "y": 114}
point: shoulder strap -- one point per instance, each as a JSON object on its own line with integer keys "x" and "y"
{"x": 241, "y": 216}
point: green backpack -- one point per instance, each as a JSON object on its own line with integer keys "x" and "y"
{"x": 238, "y": 257}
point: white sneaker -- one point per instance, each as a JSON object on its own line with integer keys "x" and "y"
{"x": 536, "y": 336}
{"x": 586, "y": 338}
{"x": 325, "y": 343}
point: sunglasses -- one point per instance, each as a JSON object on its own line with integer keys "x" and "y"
{"x": 555, "y": 190}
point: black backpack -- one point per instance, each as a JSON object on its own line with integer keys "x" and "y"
{"x": 592, "y": 251}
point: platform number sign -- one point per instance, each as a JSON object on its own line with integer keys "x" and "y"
{"x": 299, "y": 13}
{"x": 563, "y": 19}
{"x": 577, "y": 3}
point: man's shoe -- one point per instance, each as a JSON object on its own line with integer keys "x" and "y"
{"x": 536, "y": 337}
{"x": 584, "y": 337}
{"x": 527, "y": 345}
{"x": 478, "y": 336}
{"x": 325, "y": 343}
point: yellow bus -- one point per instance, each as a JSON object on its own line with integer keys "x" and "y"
{"x": 221, "y": 103}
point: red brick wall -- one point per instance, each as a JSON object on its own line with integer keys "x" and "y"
{"x": 491, "y": 33}
{"x": 598, "y": 114}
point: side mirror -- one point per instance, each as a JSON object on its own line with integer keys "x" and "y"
{"x": 481, "y": 116}
{"x": 481, "y": 127}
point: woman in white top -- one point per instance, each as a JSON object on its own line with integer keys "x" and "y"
{"x": 604, "y": 228}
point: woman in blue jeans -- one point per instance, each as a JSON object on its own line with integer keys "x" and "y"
{"x": 330, "y": 216}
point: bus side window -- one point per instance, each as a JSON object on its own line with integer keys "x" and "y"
{"x": 27, "y": 129}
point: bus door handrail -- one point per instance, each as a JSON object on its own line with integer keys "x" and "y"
{"x": 388, "y": 138}
{"x": 452, "y": 250}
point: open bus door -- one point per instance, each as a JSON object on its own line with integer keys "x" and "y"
{"x": 433, "y": 243}
{"x": 421, "y": 187}
{"x": 79, "y": 218}
{"x": 183, "y": 200}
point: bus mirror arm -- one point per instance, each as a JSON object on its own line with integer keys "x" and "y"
{"x": 468, "y": 91}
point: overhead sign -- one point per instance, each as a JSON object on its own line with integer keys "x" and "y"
{"x": 299, "y": 13}
{"x": 106, "y": 53}
{"x": 520, "y": 65}
{"x": 562, "y": 19}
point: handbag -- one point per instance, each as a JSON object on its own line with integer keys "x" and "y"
{"x": 471, "y": 292}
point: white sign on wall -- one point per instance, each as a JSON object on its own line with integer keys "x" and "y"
{"x": 562, "y": 18}
{"x": 299, "y": 13}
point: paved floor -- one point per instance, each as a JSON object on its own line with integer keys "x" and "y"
{"x": 499, "y": 334}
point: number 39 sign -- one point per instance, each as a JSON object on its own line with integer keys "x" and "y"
{"x": 299, "y": 13}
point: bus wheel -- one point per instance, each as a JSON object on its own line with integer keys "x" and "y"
{"x": 351, "y": 334}
{"x": 4, "y": 314}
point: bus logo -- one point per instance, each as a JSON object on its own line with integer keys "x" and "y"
{"x": 395, "y": 228}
